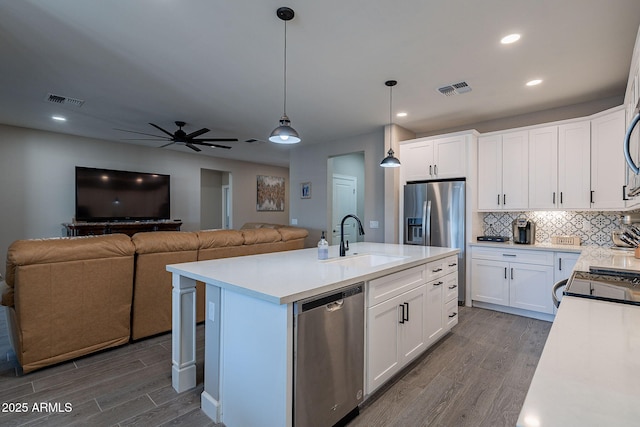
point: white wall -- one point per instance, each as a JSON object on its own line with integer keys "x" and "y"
{"x": 310, "y": 164}
{"x": 37, "y": 181}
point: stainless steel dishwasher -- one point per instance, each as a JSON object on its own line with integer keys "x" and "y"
{"x": 328, "y": 376}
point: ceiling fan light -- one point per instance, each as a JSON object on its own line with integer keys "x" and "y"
{"x": 284, "y": 134}
{"x": 390, "y": 161}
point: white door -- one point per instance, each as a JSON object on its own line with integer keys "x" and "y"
{"x": 574, "y": 165}
{"x": 450, "y": 156}
{"x": 530, "y": 287}
{"x": 543, "y": 168}
{"x": 490, "y": 281}
{"x": 417, "y": 161}
{"x": 345, "y": 201}
{"x": 515, "y": 170}
{"x": 607, "y": 162}
{"x": 490, "y": 172}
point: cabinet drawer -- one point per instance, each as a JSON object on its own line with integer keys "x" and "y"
{"x": 383, "y": 288}
{"x": 450, "y": 287}
{"x": 451, "y": 313}
{"x": 442, "y": 267}
{"x": 514, "y": 255}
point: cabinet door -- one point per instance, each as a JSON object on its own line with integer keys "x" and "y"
{"x": 434, "y": 309}
{"x": 417, "y": 160}
{"x": 412, "y": 330}
{"x": 607, "y": 161}
{"x": 451, "y": 315}
{"x": 543, "y": 168}
{"x": 530, "y": 287}
{"x": 563, "y": 265}
{"x": 490, "y": 172}
{"x": 515, "y": 170}
{"x": 450, "y": 157}
{"x": 383, "y": 342}
{"x": 574, "y": 165}
{"x": 489, "y": 281}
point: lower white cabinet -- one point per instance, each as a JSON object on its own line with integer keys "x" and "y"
{"x": 406, "y": 314}
{"x": 520, "y": 279}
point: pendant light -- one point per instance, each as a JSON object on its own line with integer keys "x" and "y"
{"x": 285, "y": 134}
{"x": 390, "y": 161}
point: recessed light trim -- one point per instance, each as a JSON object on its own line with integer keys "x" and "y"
{"x": 59, "y": 118}
{"x": 511, "y": 38}
{"x": 534, "y": 82}
{"x": 401, "y": 114}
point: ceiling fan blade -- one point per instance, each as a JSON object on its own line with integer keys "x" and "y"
{"x": 193, "y": 147}
{"x": 160, "y": 138}
{"x": 211, "y": 145}
{"x": 197, "y": 133}
{"x": 141, "y": 133}
{"x": 215, "y": 139}
{"x": 160, "y": 129}
{"x": 166, "y": 145}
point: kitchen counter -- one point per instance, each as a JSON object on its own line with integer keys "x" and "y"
{"x": 249, "y": 348}
{"x": 536, "y": 247}
{"x": 588, "y": 372}
{"x": 285, "y": 277}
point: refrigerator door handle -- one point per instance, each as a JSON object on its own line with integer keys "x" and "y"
{"x": 426, "y": 223}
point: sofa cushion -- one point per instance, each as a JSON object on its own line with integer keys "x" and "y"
{"x": 292, "y": 233}
{"x": 219, "y": 238}
{"x": 152, "y": 242}
{"x": 261, "y": 235}
{"x": 54, "y": 250}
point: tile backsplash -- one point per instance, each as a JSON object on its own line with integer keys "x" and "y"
{"x": 593, "y": 228}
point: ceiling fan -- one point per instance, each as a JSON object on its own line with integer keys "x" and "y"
{"x": 180, "y": 137}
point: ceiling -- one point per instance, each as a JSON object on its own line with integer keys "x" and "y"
{"x": 219, "y": 64}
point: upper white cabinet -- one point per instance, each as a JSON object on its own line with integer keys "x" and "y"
{"x": 607, "y": 161}
{"x": 559, "y": 166}
{"x": 503, "y": 171}
{"x": 428, "y": 158}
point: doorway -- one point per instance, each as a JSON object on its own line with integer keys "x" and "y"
{"x": 345, "y": 175}
{"x": 215, "y": 200}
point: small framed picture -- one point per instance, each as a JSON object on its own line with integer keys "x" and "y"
{"x": 305, "y": 190}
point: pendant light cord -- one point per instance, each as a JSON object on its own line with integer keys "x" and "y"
{"x": 390, "y": 115}
{"x": 285, "y": 68}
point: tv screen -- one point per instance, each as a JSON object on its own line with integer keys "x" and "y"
{"x": 112, "y": 195}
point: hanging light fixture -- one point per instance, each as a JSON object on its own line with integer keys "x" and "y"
{"x": 390, "y": 161}
{"x": 285, "y": 134}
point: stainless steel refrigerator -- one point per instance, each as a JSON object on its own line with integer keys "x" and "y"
{"x": 434, "y": 215}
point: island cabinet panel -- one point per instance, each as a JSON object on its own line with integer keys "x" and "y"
{"x": 407, "y": 312}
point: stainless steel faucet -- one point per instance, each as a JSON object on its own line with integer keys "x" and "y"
{"x": 344, "y": 248}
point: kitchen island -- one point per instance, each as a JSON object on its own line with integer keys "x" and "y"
{"x": 249, "y": 339}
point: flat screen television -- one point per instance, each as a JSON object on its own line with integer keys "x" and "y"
{"x": 113, "y": 195}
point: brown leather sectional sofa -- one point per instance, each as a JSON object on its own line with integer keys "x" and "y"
{"x": 68, "y": 297}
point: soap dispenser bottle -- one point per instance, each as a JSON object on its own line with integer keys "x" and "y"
{"x": 323, "y": 248}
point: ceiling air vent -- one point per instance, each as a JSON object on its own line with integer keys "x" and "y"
{"x": 64, "y": 100}
{"x": 455, "y": 89}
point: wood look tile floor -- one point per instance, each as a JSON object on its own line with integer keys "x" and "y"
{"x": 478, "y": 375}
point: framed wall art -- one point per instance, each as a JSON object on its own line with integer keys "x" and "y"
{"x": 305, "y": 190}
{"x": 270, "y": 193}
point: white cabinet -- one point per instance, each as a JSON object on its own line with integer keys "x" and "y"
{"x": 607, "y": 161}
{"x": 520, "y": 279}
{"x": 407, "y": 312}
{"x": 562, "y": 268}
{"x": 429, "y": 158}
{"x": 503, "y": 169}
{"x": 395, "y": 325}
{"x": 559, "y": 166}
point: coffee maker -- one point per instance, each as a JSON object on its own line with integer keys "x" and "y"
{"x": 524, "y": 231}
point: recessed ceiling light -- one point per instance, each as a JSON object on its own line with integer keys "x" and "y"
{"x": 511, "y": 38}
{"x": 401, "y": 115}
{"x": 534, "y": 82}
{"x": 59, "y": 118}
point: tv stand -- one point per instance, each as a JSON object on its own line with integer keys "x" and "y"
{"x": 129, "y": 228}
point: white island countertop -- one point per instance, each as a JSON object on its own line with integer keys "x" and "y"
{"x": 286, "y": 277}
{"x": 588, "y": 374}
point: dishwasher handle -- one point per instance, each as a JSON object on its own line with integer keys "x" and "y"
{"x": 336, "y": 305}
{"x": 332, "y": 302}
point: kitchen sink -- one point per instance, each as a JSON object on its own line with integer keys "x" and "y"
{"x": 365, "y": 260}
